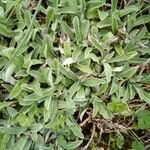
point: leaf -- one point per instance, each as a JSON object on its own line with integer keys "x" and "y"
{"x": 130, "y": 55}
{"x": 49, "y": 15}
{"x": 4, "y": 31}
{"x": 114, "y": 21}
{"x": 36, "y": 127}
{"x": 92, "y": 81}
{"x": 128, "y": 9}
{"x": 26, "y": 38}
{"x": 73, "y": 5}
{"x": 67, "y": 30}
{"x": 102, "y": 15}
{"x": 68, "y": 73}
{"x": 24, "y": 120}
{"x": 138, "y": 145}
{"x": 84, "y": 68}
{"x": 9, "y": 71}
{"x": 50, "y": 108}
{"x": 78, "y": 33}
{"x": 113, "y": 5}
{"x": 67, "y": 48}
{"x": 17, "y": 88}
{"x": 27, "y": 146}
{"x": 20, "y": 143}
{"x": 97, "y": 45}
{"x": 127, "y": 56}
{"x": 70, "y": 106}
{"x": 85, "y": 28}
{"x": 130, "y": 72}
{"x": 143, "y": 119}
{"x": 119, "y": 141}
{"x": 143, "y": 95}
{"x": 95, "y": 4}
{"x": 36, "y": 88}
{"x": 117, "y": 107}
{"x": 50, "y": 78}
{"x": 108, "y": 72}
{"x": 77, "y": 131}
{"x": 102, "y": 89}
{"x": 72, "y": 145}
{"x": 142, "y": 20}
{"x": 4, "y": 104}
{"x": 119, "y": 50}
{"x": 66, "y": 10}
{"x": 104, "y": 23}
{"x": 12, "y": 130}
{"x": 73, "y": 89}
{"x": 3, "y": 140}
{"x": 99, "y": 106}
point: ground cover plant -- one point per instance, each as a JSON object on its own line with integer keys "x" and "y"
{"x": 74, "y": 74}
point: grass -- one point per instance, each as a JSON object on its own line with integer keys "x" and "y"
{"x": 74, "y": 74}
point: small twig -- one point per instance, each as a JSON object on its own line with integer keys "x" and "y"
{"x": 108, "y": 148}
{"x": 92, "y": 135}
{"x": 84, "y": 122}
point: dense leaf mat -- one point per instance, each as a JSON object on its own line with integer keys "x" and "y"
{"x": 75, "y": 74}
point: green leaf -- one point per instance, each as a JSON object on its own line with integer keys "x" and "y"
{"x": 4, "y": 31}
{"x": 12, "y": 130}
{"x": 77, "y": 131}
{"x": 3, "y": 141}
{"x": 113, "y": 5}
{"x": 130, "y": 72}
{"x": 128, "y": 9}
{"x": 24, "y": 120}
{"x": 117, "y": 107}
{"x": 95, "y": 4}
{"x": 143, "y": 119}
{"x": 74, "y": 88}
{"x": 9, "y": 71}
{"x": 136, "y": 145}
{"x": 119, "y": 50}
{"x": 102, "y": 89}
{"x": 20, "y": 143}
{"x": 143, "y": 95}
{"x": 72, "y": 145}
{"x": 17, "y": 88}
{"x": 142, "y": 20}
{"x": 49, "y": 15}
{"x": 114, "y": 21}
{"x": 97, "y": 45}
{"x": 73, "y": 5}
{"x": 92, "y": 81}
{"x": 78, "y": 33}
{"x": 108, "y": 72}
{"x": 36, "y": 88}
{"x": 68, "y": 73}
{"x": 85, "y": 28}
{"x": 67, "y": 30}
{"x": 119, "y": 141}
{"x": 114, "y": 86}
{"x": 4, "y": 104}
{"x": 99, "y": 106}
{"x": 50, "y": 78}
{"x": 50, "y": 108}
{"x": 36, "y": 127}
{"x": 102, "y": 15}
{"x": 104, "y": 23}
{"x": 67, "y": 48}
{"x": 84, "y": 68}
